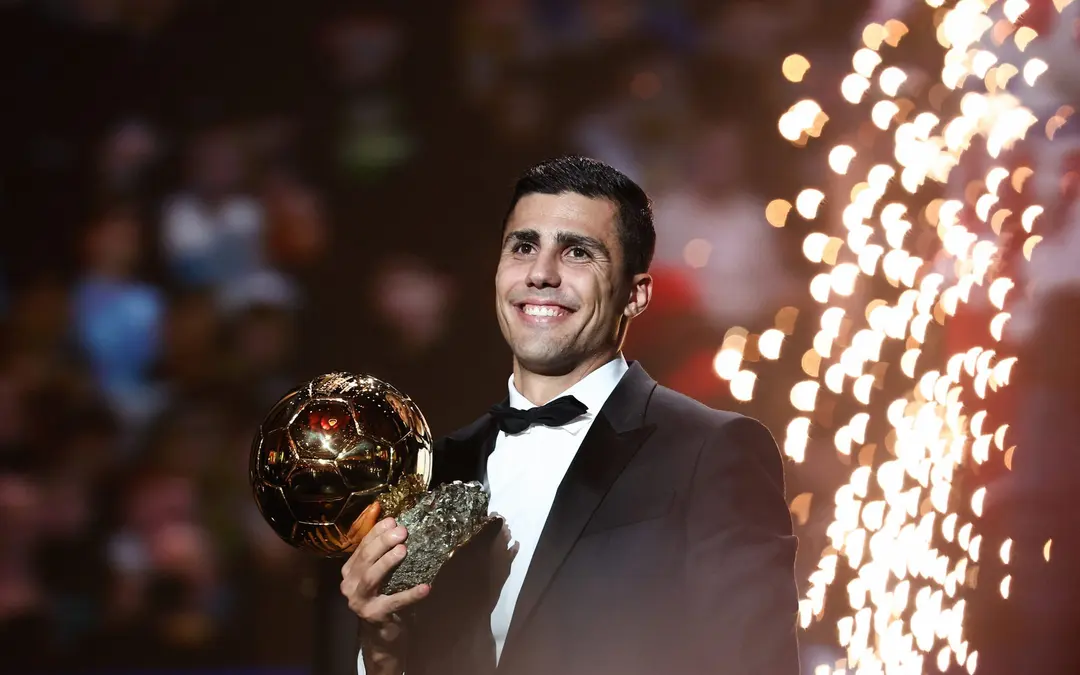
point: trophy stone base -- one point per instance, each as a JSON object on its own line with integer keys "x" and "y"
{"x": 440, "y": 523}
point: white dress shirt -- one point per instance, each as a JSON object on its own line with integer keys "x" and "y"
{"x": 524, "y": 472}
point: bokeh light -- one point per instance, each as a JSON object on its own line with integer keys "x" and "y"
{"x": 903, "y": 541}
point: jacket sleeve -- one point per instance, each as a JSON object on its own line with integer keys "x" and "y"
{"x": 740, "y": 562}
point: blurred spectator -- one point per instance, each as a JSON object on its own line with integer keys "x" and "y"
{"x": 602, "y": 23}
{"x": 77, "y": 470}
{"x": 520, "y": 109}
{"x": 191, "y": 357}
{"x": 212, "y": 231}
{"x": 415, "y": 301}
{"x": 642, "y": 127}
{"x": 41, "y": 358}
{"x": 118, "y": 319}
{"x": 164, "y": 588}
{"x": 715, "y": 226}
{"x": 497, "y": 37}
{"x": 747, "y": 33}
{"x": 25, "y": 630}
{"x": 296, "y": 228}
{"x": 268, "y": 288}
{"x": 373, "y": 128}
{"x": 125, "y": 159}
{"x": 263, "y": 343}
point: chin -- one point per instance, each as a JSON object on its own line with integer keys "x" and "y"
{"x": 544, "y": 360}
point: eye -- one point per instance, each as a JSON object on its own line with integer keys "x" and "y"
{"x": 578, "y": 253}
{"x": 522, "y": 247}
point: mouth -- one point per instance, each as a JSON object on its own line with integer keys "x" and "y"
{"x": 542, "y": 313}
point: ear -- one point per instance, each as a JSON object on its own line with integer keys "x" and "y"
{"x": 641, "y": 286}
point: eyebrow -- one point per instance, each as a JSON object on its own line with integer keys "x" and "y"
{"x": 568, "y": 239}
{"x": 563, "y": 239}
{"x": 525, "y": 236}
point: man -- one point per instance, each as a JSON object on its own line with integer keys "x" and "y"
{"x": 651, "y": 532}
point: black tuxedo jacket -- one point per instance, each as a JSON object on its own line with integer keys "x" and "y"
{"x": 668, "y": 550}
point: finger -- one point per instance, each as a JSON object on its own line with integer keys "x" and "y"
{"x": 401, "y": 600}
{"x": 384, "y": 606}
{"x": 374, "y": 575}
{"x": 379, "y": 528}
{"x": 377, "y": 546}
{"x": 363, "y": 550}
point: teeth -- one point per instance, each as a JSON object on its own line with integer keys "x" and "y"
{"x": 542, "y": 310}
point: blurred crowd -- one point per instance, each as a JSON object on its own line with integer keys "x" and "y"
{"x": 153, "y": 262}
{"x": 205, "y": 202}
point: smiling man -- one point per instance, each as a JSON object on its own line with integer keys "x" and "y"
{"x": 650, "y": 534}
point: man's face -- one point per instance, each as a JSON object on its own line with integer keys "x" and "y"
{"x": 560, "y": 291}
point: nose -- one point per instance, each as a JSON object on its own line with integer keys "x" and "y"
{"x": 544, "y": 272}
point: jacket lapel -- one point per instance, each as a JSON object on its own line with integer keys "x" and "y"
{"x": 463, "y": 455}
{"x": 614, "y": 438}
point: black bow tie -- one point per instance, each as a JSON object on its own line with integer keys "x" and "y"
{"x": 552, "y": 414}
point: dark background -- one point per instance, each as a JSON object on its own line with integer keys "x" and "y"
{"x": 205, "y": 202}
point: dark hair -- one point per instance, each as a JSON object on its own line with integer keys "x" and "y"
{"x": 593, "y": 178}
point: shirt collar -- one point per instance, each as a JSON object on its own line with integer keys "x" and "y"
{"x": 593, "y": 390}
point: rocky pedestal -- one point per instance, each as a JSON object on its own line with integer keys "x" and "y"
{"x": 439, "y": 523}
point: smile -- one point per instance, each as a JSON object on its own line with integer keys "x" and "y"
{"x": 543, "y": 313}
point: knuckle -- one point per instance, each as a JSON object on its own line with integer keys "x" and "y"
{"x": 367, "y": 555}
{"x": 362, "y": 604}
{"x": 380, "y": 527}
{"x": 368, "y": 611}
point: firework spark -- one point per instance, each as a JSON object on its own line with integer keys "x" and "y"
{"x": 903, "y": 536}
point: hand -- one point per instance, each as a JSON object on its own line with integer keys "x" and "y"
{"x": 380, "y": 550}
{"x": 503, "y": 551}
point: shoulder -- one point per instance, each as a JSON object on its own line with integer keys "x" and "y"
{"x": 465, "y": 433}
{"x": 726, "y": 438}
{"x": 669, "y": 407}
{"x": 458, "y": 454}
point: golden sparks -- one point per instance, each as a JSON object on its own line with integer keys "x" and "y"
{"x": 899, "y": 506}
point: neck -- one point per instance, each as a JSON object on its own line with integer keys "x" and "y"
{"x": 538, "y": 388}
